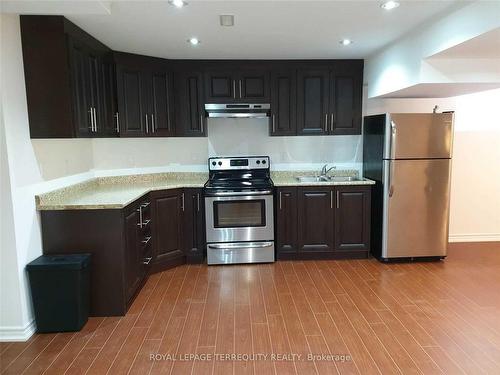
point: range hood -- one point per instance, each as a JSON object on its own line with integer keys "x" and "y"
{"x": 238, "y": 110}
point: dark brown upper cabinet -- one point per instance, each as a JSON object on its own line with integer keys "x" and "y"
{"x": 189, "y": 104}
{"x": 67, "y": 85}
{"x": 329, "y": 99}
{"x": 145, "y": 96}
{"x": 283, "y": 102}
{"x": 247, "y": 84}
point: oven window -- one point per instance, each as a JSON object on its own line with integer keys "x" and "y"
{"x": 230, "y": 214}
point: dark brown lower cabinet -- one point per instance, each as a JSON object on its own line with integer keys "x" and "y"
{"x": 323, "y": 222}
{"x": 168, "y": 220}
{"x": 194, "y": 225}
{"x": 119, "y": 241}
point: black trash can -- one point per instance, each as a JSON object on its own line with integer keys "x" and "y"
{"x": 60, "y": 287}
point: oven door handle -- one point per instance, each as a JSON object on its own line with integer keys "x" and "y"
{"x": 250, "y": 245}
{"x": 239, "y": 193}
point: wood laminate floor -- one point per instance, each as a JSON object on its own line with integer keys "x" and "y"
{"x": 370, "y": 318}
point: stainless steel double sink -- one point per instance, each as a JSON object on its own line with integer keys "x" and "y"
{"x": 327, "y": 178}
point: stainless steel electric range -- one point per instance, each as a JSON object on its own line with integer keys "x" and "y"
{"x": 239, "y": 210}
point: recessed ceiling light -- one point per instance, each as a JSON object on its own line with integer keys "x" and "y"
{"x": 178, "y": 3}
{"x": 194, "y": 41}
{"x": 391, "y": 4}
{"x": 345, "y": 42}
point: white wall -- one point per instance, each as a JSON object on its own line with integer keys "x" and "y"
{"x": 475, "y": 182}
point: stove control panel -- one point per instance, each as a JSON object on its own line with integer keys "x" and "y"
{"x": 235, "y": 163}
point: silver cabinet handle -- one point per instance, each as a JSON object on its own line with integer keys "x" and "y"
{"x": 326, "y": 122}
{"x": 145, "y": 242}
{"x": 147, "y": 126}
{"x": 198, "y": 201}
{"x": 274, "y": 125}
{"x": 331, "y": 198}
{"x": 338, "y": 199}
{"x": 146, "y": 222}
{"x": 117, "y": 122}
{"x": 234, "y": 88}
{"x": 240, "y": 90}
{"x": 201, "y": 123}
{"x": 147, "y": 260}
{"x": 140, "y": 223}
{"x": 239, "y": 193}
{"x": 331, "y": 121}
{"x": 280, "y": 200}
{"x": 152, "y": 123}
{"x": 182, "y": 201}
{"x": 95, "y": 121}
{"x": 144, "y": 205}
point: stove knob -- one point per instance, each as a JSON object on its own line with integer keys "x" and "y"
{"x": 263, "y": 162}
{"x": 213, "y": 163}
{"x": 220, "y": 163}
{"x": 258, "y": 161}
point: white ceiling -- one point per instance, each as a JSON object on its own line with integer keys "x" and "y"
{"x": 441, "y": 90}
{"x": 484, "y": 46}
{"x": 263, "y": 29}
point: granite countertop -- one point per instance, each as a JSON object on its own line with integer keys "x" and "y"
{"x": 118, "y": 192}
{"x": 115, "y": 192}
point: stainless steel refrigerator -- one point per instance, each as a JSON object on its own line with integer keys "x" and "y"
{"x": 409, "y": 157}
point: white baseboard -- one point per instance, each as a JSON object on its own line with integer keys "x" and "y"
{"x": 17, "y": 333}
{"x": 474, "y": 237}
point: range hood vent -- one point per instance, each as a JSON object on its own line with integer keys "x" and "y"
{"x": 238, "y": 110}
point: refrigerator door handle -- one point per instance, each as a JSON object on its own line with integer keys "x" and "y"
{"x": 392, "y": 149}
{"x": 391, "y": 172}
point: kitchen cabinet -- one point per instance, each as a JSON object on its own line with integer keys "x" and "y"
{"x": 283, "y": 102}
{"x": 329, "y": 99}
{"x": 138, "y": 250}
{"x": 323, "y": 222}
{"x": 145, "y": 96}
{"x": 312, "y": 101}
{"x": 168, "y": 208}
{"x": 315, "y": 219}
{"x": 246, "y": 85}
{"x": 194, "y": 225}
{"x": 286, "y": 220}
{"x": 120, "y": 243}
{"x": 352, "y": 218}
{"x": 67, "y": 85}
{"x": 190, "y": 105}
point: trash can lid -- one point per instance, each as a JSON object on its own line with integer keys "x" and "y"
{"x": 60, "y": 262}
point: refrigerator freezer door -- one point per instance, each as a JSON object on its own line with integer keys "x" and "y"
{"x": 416, "y": 208}
{"x": 418, "y": 136}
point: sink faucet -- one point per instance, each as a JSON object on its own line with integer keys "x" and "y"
{"x": 325, "y": 169}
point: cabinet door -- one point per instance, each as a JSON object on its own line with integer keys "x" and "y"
{"x": 168, "y": 207}
{"x": 345, "y": 103}
{"x": 107, "y": 107}
{"x": 131, "y": 101}
{"x": 189, "y": 105}
{"x": 220, "y": 86}
{"x": 283, "y": 103}
{"x": 253, "y": 86}
{"x": 312, "y": 101}
{"x": 81, "y": 87}
{"x": 194, "y": 228}
{"x": 286, "y": 220}
{"x": 352, "y": 218}
{"x": 161, "y": 104}
{"x": 132, "y": 258}
{"x": 315, "y": 219}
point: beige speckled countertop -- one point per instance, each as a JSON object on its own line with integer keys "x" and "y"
{"x": 118, "y": 192}
{"x": 115, "y": 192}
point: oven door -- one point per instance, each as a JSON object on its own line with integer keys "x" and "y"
{"x": 239, "y": 217}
